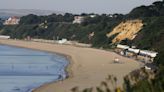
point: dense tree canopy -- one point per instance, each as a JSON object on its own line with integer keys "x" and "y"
{"x": 156, "y": 9}
{"x": 61, "y": 26}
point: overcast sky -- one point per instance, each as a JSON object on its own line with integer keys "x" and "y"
{"x": 76, "y": 6}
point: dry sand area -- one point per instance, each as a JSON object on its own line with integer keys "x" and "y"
{"x": 88, "y": 67}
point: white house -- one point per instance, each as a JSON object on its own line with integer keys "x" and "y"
{"x": 92, "y": 16}
{"x": 78, "y": 19}
{"x": 12, "y": 21}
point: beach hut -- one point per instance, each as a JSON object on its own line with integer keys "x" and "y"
{"x": 122, "y": 49}
{"x": 62, "y": 41}
{"x": 4, "y": 37}
{"x": 148, "y": 55}
{"x": 136, "y": 51}
{"x": 122, "y": 46}
{"x": 131, "y": 52}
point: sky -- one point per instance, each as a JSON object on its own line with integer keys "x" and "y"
{"x": 76, "y": 6}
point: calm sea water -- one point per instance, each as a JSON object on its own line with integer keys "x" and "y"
{"x": 22, "y": 69}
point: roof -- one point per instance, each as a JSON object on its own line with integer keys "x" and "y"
{"x": 122, "y": 46}
{"x": 142, "y": 52}
{"x": 149, "y": 53}
{"x": 134, "y": 50}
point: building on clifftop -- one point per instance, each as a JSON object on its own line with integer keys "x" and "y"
{"x": 78, "y": 19}
{"x": 12, "y": 21}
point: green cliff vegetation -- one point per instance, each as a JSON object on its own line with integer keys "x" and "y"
{"x": 61, "y": 26}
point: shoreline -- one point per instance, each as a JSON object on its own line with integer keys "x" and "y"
{"x": 68, "y": 70}
{"x": 76, "y": 65}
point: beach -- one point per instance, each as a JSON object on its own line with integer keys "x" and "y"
{"x": 88, "y": 66}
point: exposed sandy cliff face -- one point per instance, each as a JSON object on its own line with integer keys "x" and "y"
{"x": 128, "y": 29}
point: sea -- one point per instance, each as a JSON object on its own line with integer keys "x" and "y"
{"x": 22, "y": 70}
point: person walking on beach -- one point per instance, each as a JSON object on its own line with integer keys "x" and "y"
{"x": 60, "y": 77}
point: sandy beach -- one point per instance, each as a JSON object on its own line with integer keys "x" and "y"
{"x": 87, "y": 68}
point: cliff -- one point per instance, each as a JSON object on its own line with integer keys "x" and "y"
{"x": 126, "y": 30}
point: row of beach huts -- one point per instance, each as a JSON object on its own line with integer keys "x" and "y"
{"x": 143, "y": 55}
